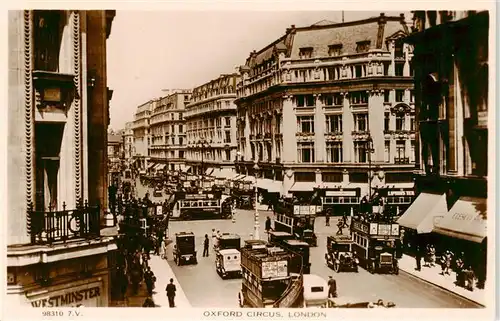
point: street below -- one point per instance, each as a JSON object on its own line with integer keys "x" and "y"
{"x": 205, "y": 288}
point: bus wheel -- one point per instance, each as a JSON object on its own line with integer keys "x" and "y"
{"x": 336, "y": 267}
{"x": 373, "y": 267}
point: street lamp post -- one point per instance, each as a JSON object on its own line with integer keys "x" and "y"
{"x": 202, "y": 143}
{"x": 256, "y": 215}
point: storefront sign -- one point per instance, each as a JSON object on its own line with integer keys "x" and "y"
{"x": 463, "y": 217}
{"x": 341, "y": 193}
{"x": 74, "y": 298}
{"x": 400, "y": 193}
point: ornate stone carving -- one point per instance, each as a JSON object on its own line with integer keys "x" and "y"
{"x": 29, "y": 124}
{"x": 77, "y": 103}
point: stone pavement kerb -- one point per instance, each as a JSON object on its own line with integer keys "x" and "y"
{"x": 163, "y": 273}
{"x": 447, "y": 282}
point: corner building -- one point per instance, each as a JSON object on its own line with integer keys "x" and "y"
{"x": 330, "y": 106}
{"x": 451, "y": 83}
{"x": 142, "y": 138}
{"x": 58, "y": 116}
{"x": 211, "y": 128}
{"x": 168, "y": 132}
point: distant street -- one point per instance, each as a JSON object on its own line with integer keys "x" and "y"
{"x": 204, "y": 287}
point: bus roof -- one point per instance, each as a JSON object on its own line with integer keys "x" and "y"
{"x": 296, "y": 242}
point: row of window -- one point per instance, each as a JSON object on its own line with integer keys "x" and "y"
{"x": 210, "y": 135}
{"x": 211, "y": 155}
{"x": 355, "y": 98}
{"x": 208, "y": 123}
{"x": 334, "y": 152}
{"x": 169, "y": 154}
{"x": 305, "y": 124}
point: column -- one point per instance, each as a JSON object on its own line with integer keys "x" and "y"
{"x": 246, "y": 132}
{"x": 392, "y": 69}
{"x": 288, "y": 181}
{"x": 319, "y": 131}
{"x": 319, "y": 179}
{"x": 376, "y": 121}
{"x": 289, "y": 131}
{"x": 347, "y": 128}
{"x": 406, "y": 67}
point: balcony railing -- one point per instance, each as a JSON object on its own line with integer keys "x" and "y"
{"x": 401, "y": 160}
{"x": 47, "y": 227}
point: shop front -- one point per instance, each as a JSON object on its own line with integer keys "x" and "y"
{"x": 340, "y": 201}
{"x": 88, "y": 293}
{"x": 398, "y": 200}
{"x": 464, "y": 229}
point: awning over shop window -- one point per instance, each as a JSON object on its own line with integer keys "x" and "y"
{"x": 466, "y": 220}
{"x": 423, "y": 212}
{"x": 187, "y": 169}
{"x": 161, "y": 166}
{"x": 269, "y": 185}
{"x": 209, "y": 171}
{"x": 151, "y": 166}
{"x": 303, "y": 187}
{"x": 250, "y": 179}
{"x": 225, "y": 173}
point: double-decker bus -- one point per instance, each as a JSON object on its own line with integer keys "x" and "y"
{"x": 202, "y": 205}
{"x": 297, "y": 219}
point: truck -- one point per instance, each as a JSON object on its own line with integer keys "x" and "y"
{"x": 267, "y": 281}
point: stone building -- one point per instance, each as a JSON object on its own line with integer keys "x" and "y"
{"x": 211, "y": 127}
{"x": 167, "y": 130}
{"x": 128, "y": 142}
{"x": 57, "y": 159}
{"x": 451, "y": 90}
{"x": 115, "y": 156}
{"x": 142, "y": 137}
{"x": 330, "y": 106}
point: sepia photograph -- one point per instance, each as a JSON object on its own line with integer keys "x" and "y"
{"x": 224, "y": 160}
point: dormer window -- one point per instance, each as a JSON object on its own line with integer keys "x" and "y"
{"x": 335, "y": 50}
{"x": 362, "y": 46}
{"x": 305, "y": 53}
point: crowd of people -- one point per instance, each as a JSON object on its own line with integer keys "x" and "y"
{"x": 449, "y": 262}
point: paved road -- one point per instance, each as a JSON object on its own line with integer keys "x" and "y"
{"x": 204, "y": 287}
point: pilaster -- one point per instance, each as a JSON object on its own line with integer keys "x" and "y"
{"x": 347, "y": 128}
{"x": 319, "y": 131}
{"x": 289, "y": 130}
{"x": 376, "y": 121}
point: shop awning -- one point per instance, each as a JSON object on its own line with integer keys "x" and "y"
{"x": 466, "y": 220}
{"x": 250, "y": 179}
{"x": 239, "y": 177}
{"x": 270, "y": 185}
{"x": 209, "y": 171}
{"x": 161, "y": 166}
{"x": 151, "y": 166}
{"x": 303, "y": 187}
{"x": 422, "y": 213}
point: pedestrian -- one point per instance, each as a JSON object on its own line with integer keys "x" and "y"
{"x": 469, "y": 278}
{"x": 170, "y": 289}
{"x": 205, "y": 246}
{"x": 339, "y": 226}
{"x": 268, "y": 224}
{"x": 460, "y": 272}
{"x": 344, "y": 220}
{"x": 327, "y": 217}
{"x": 149, "y": 279}
{"x": 448, "y": 260}
{"x": 148, "y": 303}
{"x": 418, "y": 257}
{"x": 332, "y": 287}
{"x": 214, "y": 238}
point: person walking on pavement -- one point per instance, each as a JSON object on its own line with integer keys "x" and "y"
{"x": 418, "y": 258}
{"x": 268, "y": 224}
{"x": 205, "y": 246}
{"x": 149, "y": 279}
{"x": 344, "y": 221}
{"x": 327, "y": 217}
{"x": 171, "y": 293}
{"x": 332, "y": 287}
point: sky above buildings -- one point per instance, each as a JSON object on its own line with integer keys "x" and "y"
{"x": 149, "y": 51}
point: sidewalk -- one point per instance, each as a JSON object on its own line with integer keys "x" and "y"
{"x": 447, "y": 282}
{"x": 163, "y": 273}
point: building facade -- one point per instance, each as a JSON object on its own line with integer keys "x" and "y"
{"x": 57, "y": 163}
{"x": 116, "y": 155}
{"x": 142, "y": 138}
{"x": 168, "y": 131}
{"x": 211, "y": 127}
{"x": 330, "y": 106}
{"x": 451, "y": 89}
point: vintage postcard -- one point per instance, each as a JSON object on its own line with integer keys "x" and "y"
{"x": 225, "y": 161}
